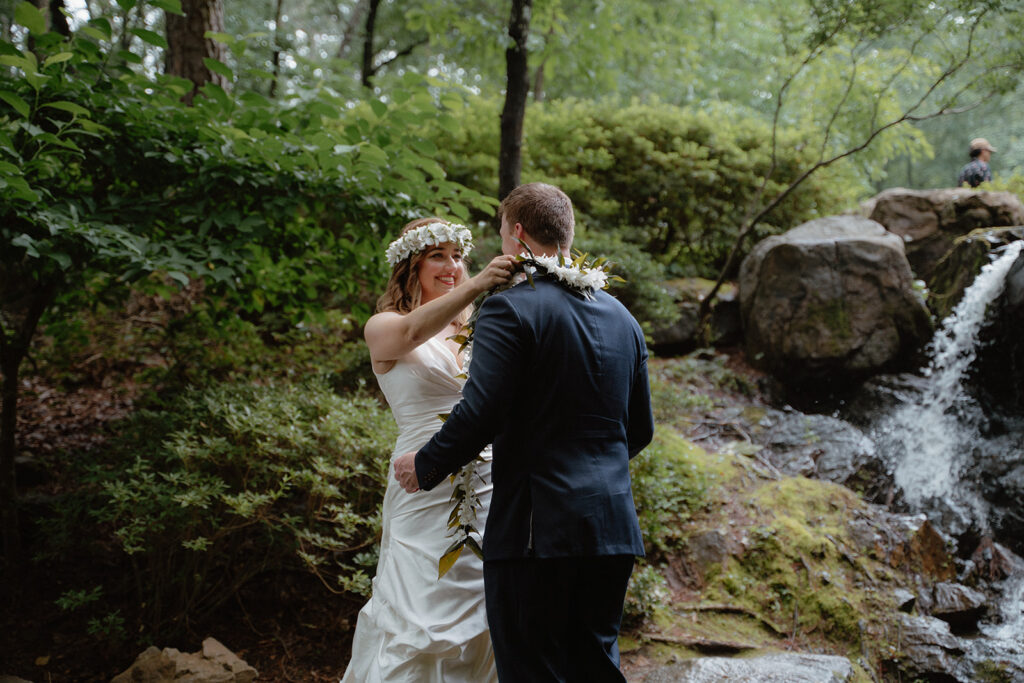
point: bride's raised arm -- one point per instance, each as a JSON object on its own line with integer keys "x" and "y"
{"x": 390, "y": 335}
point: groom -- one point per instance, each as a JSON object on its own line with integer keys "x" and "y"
{"x": 559, "y": 384}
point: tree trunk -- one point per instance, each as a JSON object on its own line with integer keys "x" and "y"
{"x": 58, "y": 22}
{"x": 187, "y": 46}
{"x": 277, "y": 49}
{"x": 22, "y": 311}
{"x": 510, "y": 156}
{"x": 371, "y": 22}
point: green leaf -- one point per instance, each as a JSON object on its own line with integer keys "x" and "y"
{"x": 151, "y": 37}
{"x": 19, "y": 105}
{"x": 179, "y": 277}
{"x": 172, "y": 6}
{"x": 219, "y": 67}
{"x": 63, "y": 259}
{"x": 379, "y": 108}
{"x": 126, "y": 4}
{"x": 57, "y": 58}
{"x": 129, "y": 57}
{"x": 23, "y": 63}
{"x": 225, "y": 38}
{"x": 76, "y": 109}
{"x": 29, "y": 16}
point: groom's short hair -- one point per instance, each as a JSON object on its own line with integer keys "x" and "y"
{"x": 544, "y": 211}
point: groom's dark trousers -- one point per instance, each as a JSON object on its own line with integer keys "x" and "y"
{"x": 558, "y": 382}
{"x": 565, "y": 612}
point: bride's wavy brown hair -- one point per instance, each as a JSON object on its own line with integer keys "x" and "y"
{"x": 403, "y": 291}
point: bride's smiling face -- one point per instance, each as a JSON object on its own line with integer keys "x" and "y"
{"x": 440, "y": 270}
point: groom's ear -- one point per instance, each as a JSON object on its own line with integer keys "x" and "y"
{"x": 518, "y": 231}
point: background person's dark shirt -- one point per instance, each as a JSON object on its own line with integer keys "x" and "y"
{"x": 974, "y": 173}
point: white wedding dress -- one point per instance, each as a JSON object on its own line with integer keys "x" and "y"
{"x": 417, "y": 627}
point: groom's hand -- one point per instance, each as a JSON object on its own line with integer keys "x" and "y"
{"x": 405, "y": 472}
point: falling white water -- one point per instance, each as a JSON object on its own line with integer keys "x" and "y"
{"x": 938, "y": 430}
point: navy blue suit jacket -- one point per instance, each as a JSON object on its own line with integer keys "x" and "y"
{"x": 558, "y": 383}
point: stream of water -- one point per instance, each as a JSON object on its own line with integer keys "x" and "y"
{"x": 932, "y": 438}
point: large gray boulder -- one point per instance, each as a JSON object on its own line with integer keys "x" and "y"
{"x": 830, "y": 299}
{"x": 930, "y": 220}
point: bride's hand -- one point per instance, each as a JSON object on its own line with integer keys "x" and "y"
{"x": 498, "y": 272}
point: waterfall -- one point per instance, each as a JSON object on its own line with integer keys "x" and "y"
{"x": 931, "y": 439}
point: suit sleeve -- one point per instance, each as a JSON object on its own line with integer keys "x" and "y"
{"x": 494, "y": 373}
{"x": 640, "y": 426}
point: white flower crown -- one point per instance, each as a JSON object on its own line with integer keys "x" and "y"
{"x": 428, "y": 235}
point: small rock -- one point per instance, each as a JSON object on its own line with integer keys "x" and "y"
{"x": 213, "y": 664}
{"x": 959, "y": 606}
{"x": 905, "y": 600}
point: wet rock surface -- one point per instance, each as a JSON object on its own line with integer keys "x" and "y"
{"x": 957, "y": 605}
{"x": 775, "y": 668}
{"x": 928, "y": 648}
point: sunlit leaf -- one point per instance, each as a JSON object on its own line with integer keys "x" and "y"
{"x": 151, "y": 37}
{"x": 29, "y": 16}
{"x": 447, "y": 560}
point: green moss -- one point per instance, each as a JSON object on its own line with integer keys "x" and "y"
{"x": 831, "y": 317}
{"x": 989, "y": 671}
{"x": 671, "y": 479}
{"x": 795, "y": 571}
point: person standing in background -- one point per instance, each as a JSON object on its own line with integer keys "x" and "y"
{"x": 977, "y": 171}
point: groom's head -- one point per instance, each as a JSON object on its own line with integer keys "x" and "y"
{"x": 543, "y": 213}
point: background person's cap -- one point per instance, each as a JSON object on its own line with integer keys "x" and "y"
{"x": 981, "y": 143}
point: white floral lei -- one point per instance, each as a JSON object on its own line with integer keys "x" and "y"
{"x": 420, "y": 238}
{"x": 585, "y": 277}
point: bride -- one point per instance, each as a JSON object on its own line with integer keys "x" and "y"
{"x": 418, "y": 627}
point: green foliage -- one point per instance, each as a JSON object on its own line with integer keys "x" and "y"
{"x": 642, "y": 292}
{"x": 678, "y": 182}
{"x": 670, "y": 482}
{"x": 279, "y": 205}
{"x": 684, "y": 388}
{"x": 646, "y": 594}
{"x": 239, "y": 480}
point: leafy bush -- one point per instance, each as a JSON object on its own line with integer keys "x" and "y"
{"x": 642, "y": 292}
{"x": 669, "y": 481}
{"x": 677, "y": 181}
{"x": 240, "y": 480}
{"x": 647, "y": 593}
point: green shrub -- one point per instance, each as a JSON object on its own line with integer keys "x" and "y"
{"x": 677, "y": 181}
{"x": 647, "y": 593}
{"x": 239, "y": 480}
{"x": 669, "y": 482}
{"x": 642, "y": 292}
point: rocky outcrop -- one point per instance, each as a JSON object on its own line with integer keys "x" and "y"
{"x": 788, "y": 667}
{"x": 214, "y": 663}
{"x": 930, "y": 220}
{"x": 955, "y": 272}
{"x": 999, "y": 370}
{"x": 831, "y": 300}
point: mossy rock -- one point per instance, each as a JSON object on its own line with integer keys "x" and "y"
{"x": 955, "y": 271}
